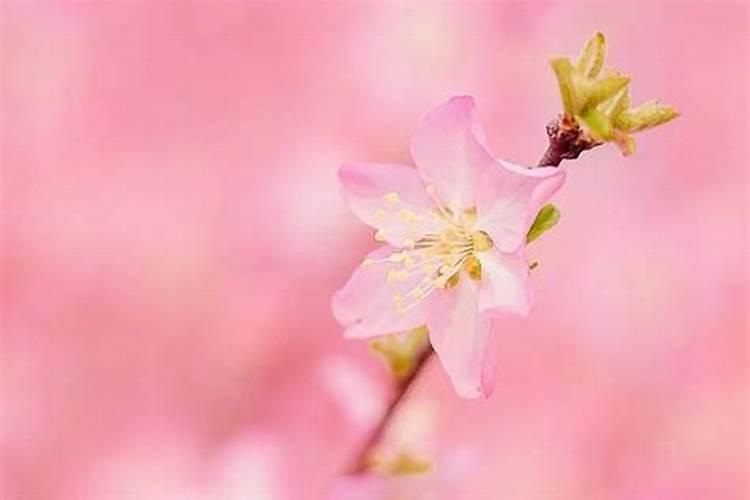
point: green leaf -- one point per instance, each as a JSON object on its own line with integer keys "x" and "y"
{"x": 597, "y": 91}
{"x": 546, "y": 219}
{"x": 597, "y": 98}
{"x": 591, "y": 60}
{"x": 617, "y": 104}
{"x": 646, "y": 116}
{"x": 564, "y": 71}
{"x": 598, "y": 124}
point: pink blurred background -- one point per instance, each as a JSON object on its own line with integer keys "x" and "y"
{"x": 172, "y": 233}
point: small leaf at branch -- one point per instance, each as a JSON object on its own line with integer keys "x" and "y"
{"x": 598, "y": 91}
{"x": 564, "y": 71}
{"x": 591, "y": 60}
{"x": 546, "y": 218}
{"x": 599, "y": 125}
{"x": 597, "y": 99}
{"x": 617, "y": 104}
{"x": 645, "y": 116}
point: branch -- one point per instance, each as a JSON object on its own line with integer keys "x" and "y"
{"x": 362, "y": 461}
{"x": 567, "y": 140}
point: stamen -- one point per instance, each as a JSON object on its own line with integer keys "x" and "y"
{"x": 442, "y": 209}
{"x": 438, "y": 258}
{"x": 397, "y": 275}
{"x": 410, "y": 217}
{"x": 392, "y": 197}
{"x": 481, "y": 241}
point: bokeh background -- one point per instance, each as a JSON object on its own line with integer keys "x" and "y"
{"x": 172, "y": 233}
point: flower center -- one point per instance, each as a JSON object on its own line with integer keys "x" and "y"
{"x": 438, "y": 258}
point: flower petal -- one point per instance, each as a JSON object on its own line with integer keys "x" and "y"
{"x": 508, "y": 198}
{"x": 365, "y": 306}
{"x": 390, "y": 198}
{"x": 460, "y": 336}
{"x": 439, "y": 149}
{"x": 505, "y": 283}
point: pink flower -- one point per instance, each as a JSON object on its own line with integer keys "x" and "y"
{"x": 454, "y": 232}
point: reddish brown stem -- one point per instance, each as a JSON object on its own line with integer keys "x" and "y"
{"x": 567, "y": 140}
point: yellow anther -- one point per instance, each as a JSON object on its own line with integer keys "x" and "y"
{"x": 394, "y": 275}
{"x": 469, "y": 216}
{"x": 368, "y": 262}
{"x": 409, "y": 217}
{"x": 481, "y": 241}
{"x": 396, "y": 257}
{"x": 451, "y": 282}
{"x": 391, "y": 197}
{"x": 379, "y": 236}
{"x": 446, "y": 276}
{"x": 473, "y": 268}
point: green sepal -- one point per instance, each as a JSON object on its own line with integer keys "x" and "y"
{"x": 546, "y": 219}
{"x": 400, "y": 352}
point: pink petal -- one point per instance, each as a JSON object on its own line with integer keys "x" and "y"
{"x": 439, "y": 149}
{"x": 508, "y": 198}
{"x": 365, "y": 305}
{"x": 383, "y": 196}
{"x": 505, "y": 284}
{"x": 460, "y": 336}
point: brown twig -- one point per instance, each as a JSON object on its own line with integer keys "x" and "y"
{"x": 567, "y": 140}
{"x": 362, "y": 461}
